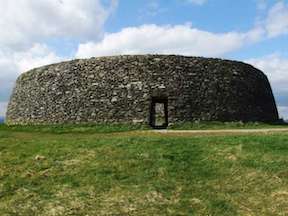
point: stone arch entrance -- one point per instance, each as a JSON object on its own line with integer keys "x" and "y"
{"x": 159, "y": 113}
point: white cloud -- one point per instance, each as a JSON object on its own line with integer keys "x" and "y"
{"x": 179, "y": 39}
{"x": 3, "y": 107}
{"x": 261, "y": 5}
{"x": 283, "y": 112}
{"x": 198, "y": 2}
{"x": 184, "y": 39}
{"x": 26, "y": 25}
{"x": 276, "y": 68}
{"x": 12, "y": 64}
{"x": 36, "y": 56}
{"x": 8, "y": 74}
{"x": 151, "y": 9}
{"x": 26, "y": 21}
{"x": 277, "y": 20}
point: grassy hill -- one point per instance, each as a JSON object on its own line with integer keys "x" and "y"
{"x": 123, "y": 171}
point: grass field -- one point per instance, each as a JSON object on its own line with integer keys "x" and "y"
{"x": 106, "y": 128}
{"x": 122, "y": 171}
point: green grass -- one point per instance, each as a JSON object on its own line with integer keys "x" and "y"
{"x": 202, "y": 125}
{"x": 55, "y": 171}
{"x": 108, "y": 128}
{"x": 70, "y": 128}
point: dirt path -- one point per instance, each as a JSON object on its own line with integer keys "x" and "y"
{"x": 222, "y": 131}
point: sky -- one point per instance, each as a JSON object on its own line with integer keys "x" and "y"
{"x": 39, "y": 32}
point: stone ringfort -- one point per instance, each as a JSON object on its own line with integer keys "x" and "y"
{"x": 126, "y": 89}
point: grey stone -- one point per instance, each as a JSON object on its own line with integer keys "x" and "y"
{"x": 120, "y": 89}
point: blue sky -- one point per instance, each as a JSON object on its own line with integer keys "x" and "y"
{"x": 35, "y": 33}
{"x": 216, "y": 16}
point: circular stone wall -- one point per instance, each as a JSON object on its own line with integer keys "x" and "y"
{"x": 122, "y": 89}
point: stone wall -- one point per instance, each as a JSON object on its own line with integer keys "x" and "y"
{"x": 120, "y": 88}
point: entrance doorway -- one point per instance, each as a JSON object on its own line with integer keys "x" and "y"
{"x": 159, "y": 113}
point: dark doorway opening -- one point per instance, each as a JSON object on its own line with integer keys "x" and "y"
{"x": 159, "y": 113}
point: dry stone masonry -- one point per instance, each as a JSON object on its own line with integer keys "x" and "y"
{"x": 125, "y": 89}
